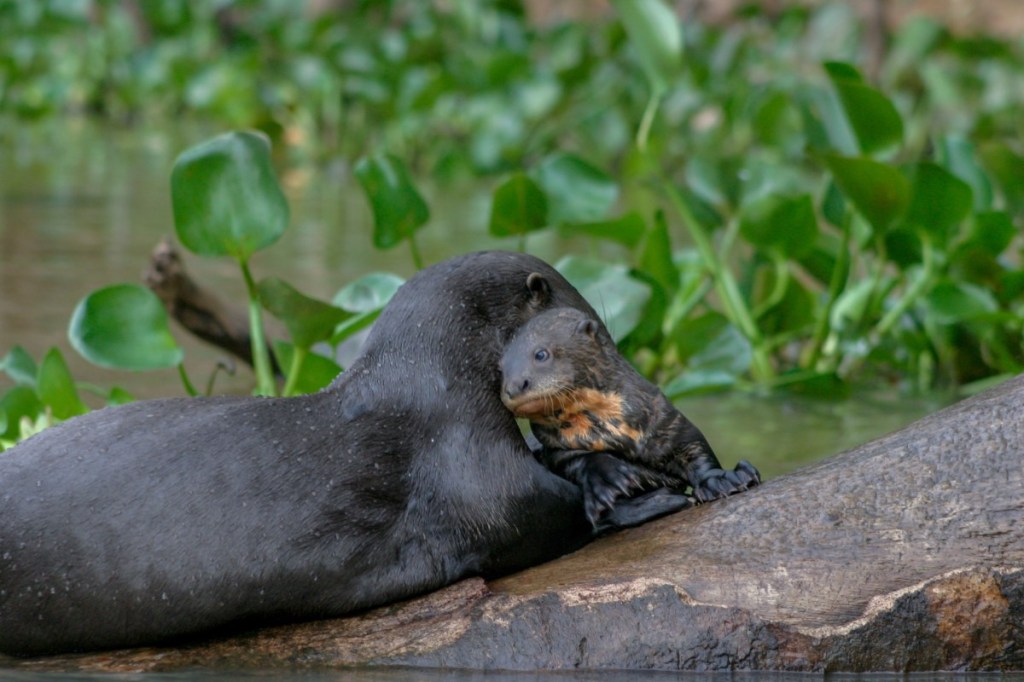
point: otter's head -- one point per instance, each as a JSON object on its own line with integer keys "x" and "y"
{"x": 552, "y": 356}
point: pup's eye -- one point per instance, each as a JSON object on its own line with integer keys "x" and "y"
{"x": 541, "y": 355}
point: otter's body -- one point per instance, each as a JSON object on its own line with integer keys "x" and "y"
{"x": 563, "y": 372}
{"x": 157, "y": 520}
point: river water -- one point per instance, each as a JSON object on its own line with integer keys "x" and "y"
{"x": 83, "y": 206}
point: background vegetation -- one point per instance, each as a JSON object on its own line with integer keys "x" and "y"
{"x": 760, "y": 211}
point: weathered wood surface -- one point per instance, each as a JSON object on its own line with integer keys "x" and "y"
{"x": 906, "y": 553}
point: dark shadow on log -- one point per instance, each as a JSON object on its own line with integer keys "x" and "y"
{"x": 903, "y": 554}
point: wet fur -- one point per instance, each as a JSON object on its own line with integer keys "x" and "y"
{"x": 150, "y": 521}
{"x": 592, "y": 400}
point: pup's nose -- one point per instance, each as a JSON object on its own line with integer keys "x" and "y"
{"x": 516, "y": 387}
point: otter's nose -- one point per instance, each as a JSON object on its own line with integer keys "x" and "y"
{"x": 516, "y": 387}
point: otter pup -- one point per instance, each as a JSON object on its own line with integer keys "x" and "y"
{"x": 563, "y": 372}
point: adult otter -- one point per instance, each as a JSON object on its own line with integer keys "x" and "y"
{"x": 162, "y": 519}
{"x": 563, "y": 372}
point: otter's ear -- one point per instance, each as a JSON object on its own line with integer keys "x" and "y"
{"x": 588, "y": 327}
{"x": 540, "y": 290}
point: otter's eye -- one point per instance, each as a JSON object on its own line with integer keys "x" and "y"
{"x": 541, "y": 355}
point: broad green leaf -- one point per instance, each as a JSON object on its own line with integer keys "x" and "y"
{"x": 20, "y": 367}
{"x": 307, "y": 319}
{"x": 56, "y": 387}
{"x": 124, "y": 326}
{"x": 939, "y": 200}
{"x": 618, "y": 298}
{"x": 226, "y": 198}
{"x": 956, "y": 153}
{"x": 793, "y": 313}
{"x": 696, "y": 382}
{"x": 824, "y": 121}
{"x": 368, "y": 293}
{"x": 655, "y": 256}
{"x": 903, "y": 247}
{"x": 576, "y": 191}
{"x": 317, "y": 371}
{"x": 992, "y": 231}
{"x": 20, "y": 401}
{"x": 953, "y": 302}
{"x": 519, "y": 206}
{"x": 628, "y": 229}
{"x": 880, "y": 192}
{"x": 655, "y": 34}
{"x": 818, "y": 385}
{"x": 711, "y": 342}
{"x": 841, "y": 71}
{"x": 1007, "y": 168}
{"x": 715, "y": 352}
{"x": 398, "y": 208}
{"x": 874, "y": 119}
{"x": 785, "y": 225}
{"x": 352, "y": 325}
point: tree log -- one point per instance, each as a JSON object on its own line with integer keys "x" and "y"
{"x": 904, "y": 554}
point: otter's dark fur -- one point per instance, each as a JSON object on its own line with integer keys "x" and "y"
{"x": 156, "y": 520}
{"x": 563, "y": 372}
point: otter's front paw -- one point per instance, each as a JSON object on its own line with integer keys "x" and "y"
{"x": 715, "y": 483}
{"x": 643, "y": 508}
{"x": 603, "y": 478}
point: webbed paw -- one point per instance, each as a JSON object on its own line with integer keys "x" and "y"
{"x": 643, "y": 508}
{"x": 604, "y": 478}
{"x": 716, "y": 483}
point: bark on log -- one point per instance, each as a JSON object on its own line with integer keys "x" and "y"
{"x": 903, "y": 554}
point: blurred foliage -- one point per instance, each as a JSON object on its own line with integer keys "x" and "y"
{"x": 781, "y": 219}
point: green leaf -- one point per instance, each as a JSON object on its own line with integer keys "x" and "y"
{"x": 954, "y": 302}
{"x": 317, "y": 371}
{"x": 519, "y": 206}
{"x": 716, "y": 354}
{"x": 992, "y": 231}
{"x": 617, "y": 297}
{"x": 226, "y": 198}
{"x": 874, "y": 119}
{"x": 368, "y": 293}
{"x": 1007, "y": 168}
{"x": 711, "y": 342}
{"x": 20, "y": 367}
{"x": 20, "y": 401}
{"x": 880, "y": 192}
{"x": 957, "y": 154}
{"x": 398, "y": 208}
{"x": 307, "y": 319}
{"x": 576, "y": 191}
{"x": 939, "y": 200}
{"x": 56, "y": 387}
{"x": 124, "y": 326}
{"x": 696, "y": 382}
{"x": 655, "y": 256}
{"x": 786, "y": 225}
{"x": 655, "y": 34}
{"x": 627, "y": 230}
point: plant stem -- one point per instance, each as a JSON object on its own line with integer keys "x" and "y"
{"x": 836, "y": 285}
{"x": 735, "y": 307}
{"x": 260, "y": 356}
{"x": 917, "y": 288}
{"x": 298, "y": 357}
{"x": 647, "y": 121}
{"x": 189, "y": 388}
{"x": 417, "y": 258}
